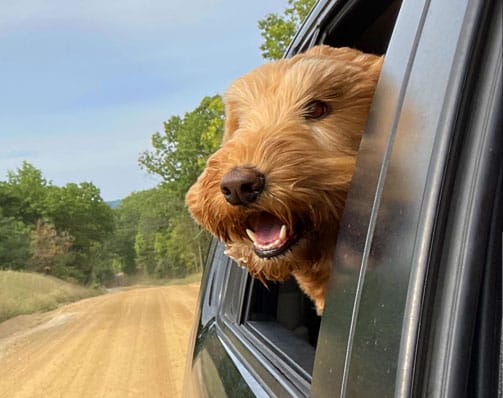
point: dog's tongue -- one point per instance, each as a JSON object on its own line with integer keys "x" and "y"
{"x": 266, "y": 227}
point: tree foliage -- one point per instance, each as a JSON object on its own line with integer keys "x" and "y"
{"x": 180, "y": 152}
{"x": 14, "y": 243}
{"x": 51, "y": 228}
{"x": 279, "y": 30}
{"x": 176, "y": 246}
{"x": 23, "y": 194}
{"x": 50, "y": 249}
{"x": 80, "y": 210}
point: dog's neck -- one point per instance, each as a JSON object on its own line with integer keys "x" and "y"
{"x": 313, "y": 281}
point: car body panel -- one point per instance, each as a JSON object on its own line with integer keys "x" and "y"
{"x": 395, "y": 221}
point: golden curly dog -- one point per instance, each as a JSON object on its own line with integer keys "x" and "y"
{"x": 275, "y": 190}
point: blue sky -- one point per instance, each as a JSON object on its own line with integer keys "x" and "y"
{"x": 85, "y": 84}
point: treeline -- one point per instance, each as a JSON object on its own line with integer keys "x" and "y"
{"x": 167, "y": 242}
{"x": 56, "y": 230}
{"x": 70, "y": 232}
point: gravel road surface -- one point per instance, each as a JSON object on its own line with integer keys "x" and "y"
{"x": 131, "y": 343}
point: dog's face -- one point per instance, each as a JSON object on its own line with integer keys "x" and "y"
{"x": 275, "y": 190}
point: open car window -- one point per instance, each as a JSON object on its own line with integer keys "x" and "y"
{"x": 277, "y": 319}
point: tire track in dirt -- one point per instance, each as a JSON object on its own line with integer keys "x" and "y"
{"x": 126, "y": 344}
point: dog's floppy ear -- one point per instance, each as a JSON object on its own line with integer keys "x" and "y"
{"x": 346, "y": 54}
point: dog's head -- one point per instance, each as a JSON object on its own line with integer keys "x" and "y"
{"x": 275, "y": 190}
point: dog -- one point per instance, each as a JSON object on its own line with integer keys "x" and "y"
{"x": 275, "y": 190}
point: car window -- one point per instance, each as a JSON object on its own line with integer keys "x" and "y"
{"x": 276, "y": 320}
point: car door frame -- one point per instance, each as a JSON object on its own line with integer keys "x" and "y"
{"x": 391, "y": 240}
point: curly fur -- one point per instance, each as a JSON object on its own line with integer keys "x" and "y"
{"x": 307, "y": 163}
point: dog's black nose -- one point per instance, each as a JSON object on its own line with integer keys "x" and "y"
{"x": 242, "y": 185}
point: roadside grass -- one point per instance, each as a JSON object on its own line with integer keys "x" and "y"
{"x": 145, "y": 280}
{"x": 26, "y": 293}
{"x": 192, "y": 278}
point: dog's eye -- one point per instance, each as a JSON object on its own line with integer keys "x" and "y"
{"x": 316, "y": 110}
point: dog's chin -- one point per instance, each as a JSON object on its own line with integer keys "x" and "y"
{"x": 272, "y": 264}
{"x": 301, "y": 252}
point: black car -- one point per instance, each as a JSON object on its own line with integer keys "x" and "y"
{"x": 414, "y": 304}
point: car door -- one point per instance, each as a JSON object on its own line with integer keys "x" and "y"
{"x": 414, "y": 307}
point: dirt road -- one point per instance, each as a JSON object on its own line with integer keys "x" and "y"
{"x": 126, "y": 344}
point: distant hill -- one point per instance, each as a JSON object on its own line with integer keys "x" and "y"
{"x": 114, "y": 203}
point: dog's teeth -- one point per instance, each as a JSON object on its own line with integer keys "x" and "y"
{"x": 282, "y": 233}
{"x": 282, "y": 238}
{"x": 251, "y": 235}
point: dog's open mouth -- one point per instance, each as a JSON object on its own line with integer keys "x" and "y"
{"x": 270, "y": 236}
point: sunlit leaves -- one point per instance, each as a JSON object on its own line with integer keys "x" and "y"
{"x": 279, "y": 30}
{"x": 178, "y": 155}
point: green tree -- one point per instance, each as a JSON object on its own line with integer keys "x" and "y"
{"x": 104, "y": 263}
{"x": 188, "y": 244}
{"x": 163, "y": 267}
{"x": 80, "y": 210}
{"x": 279, "y": 30}
{"x": 180, "y": 153}
{"x": 145, "y": 255}
{"x": 14, "y": 243}
{"x": 75, "y": 210}
{"x": 121, "y": 243}
{"x": 24, "y": 193}
{"x": 145, "y": 213}
{"x": 178, "y": 157}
